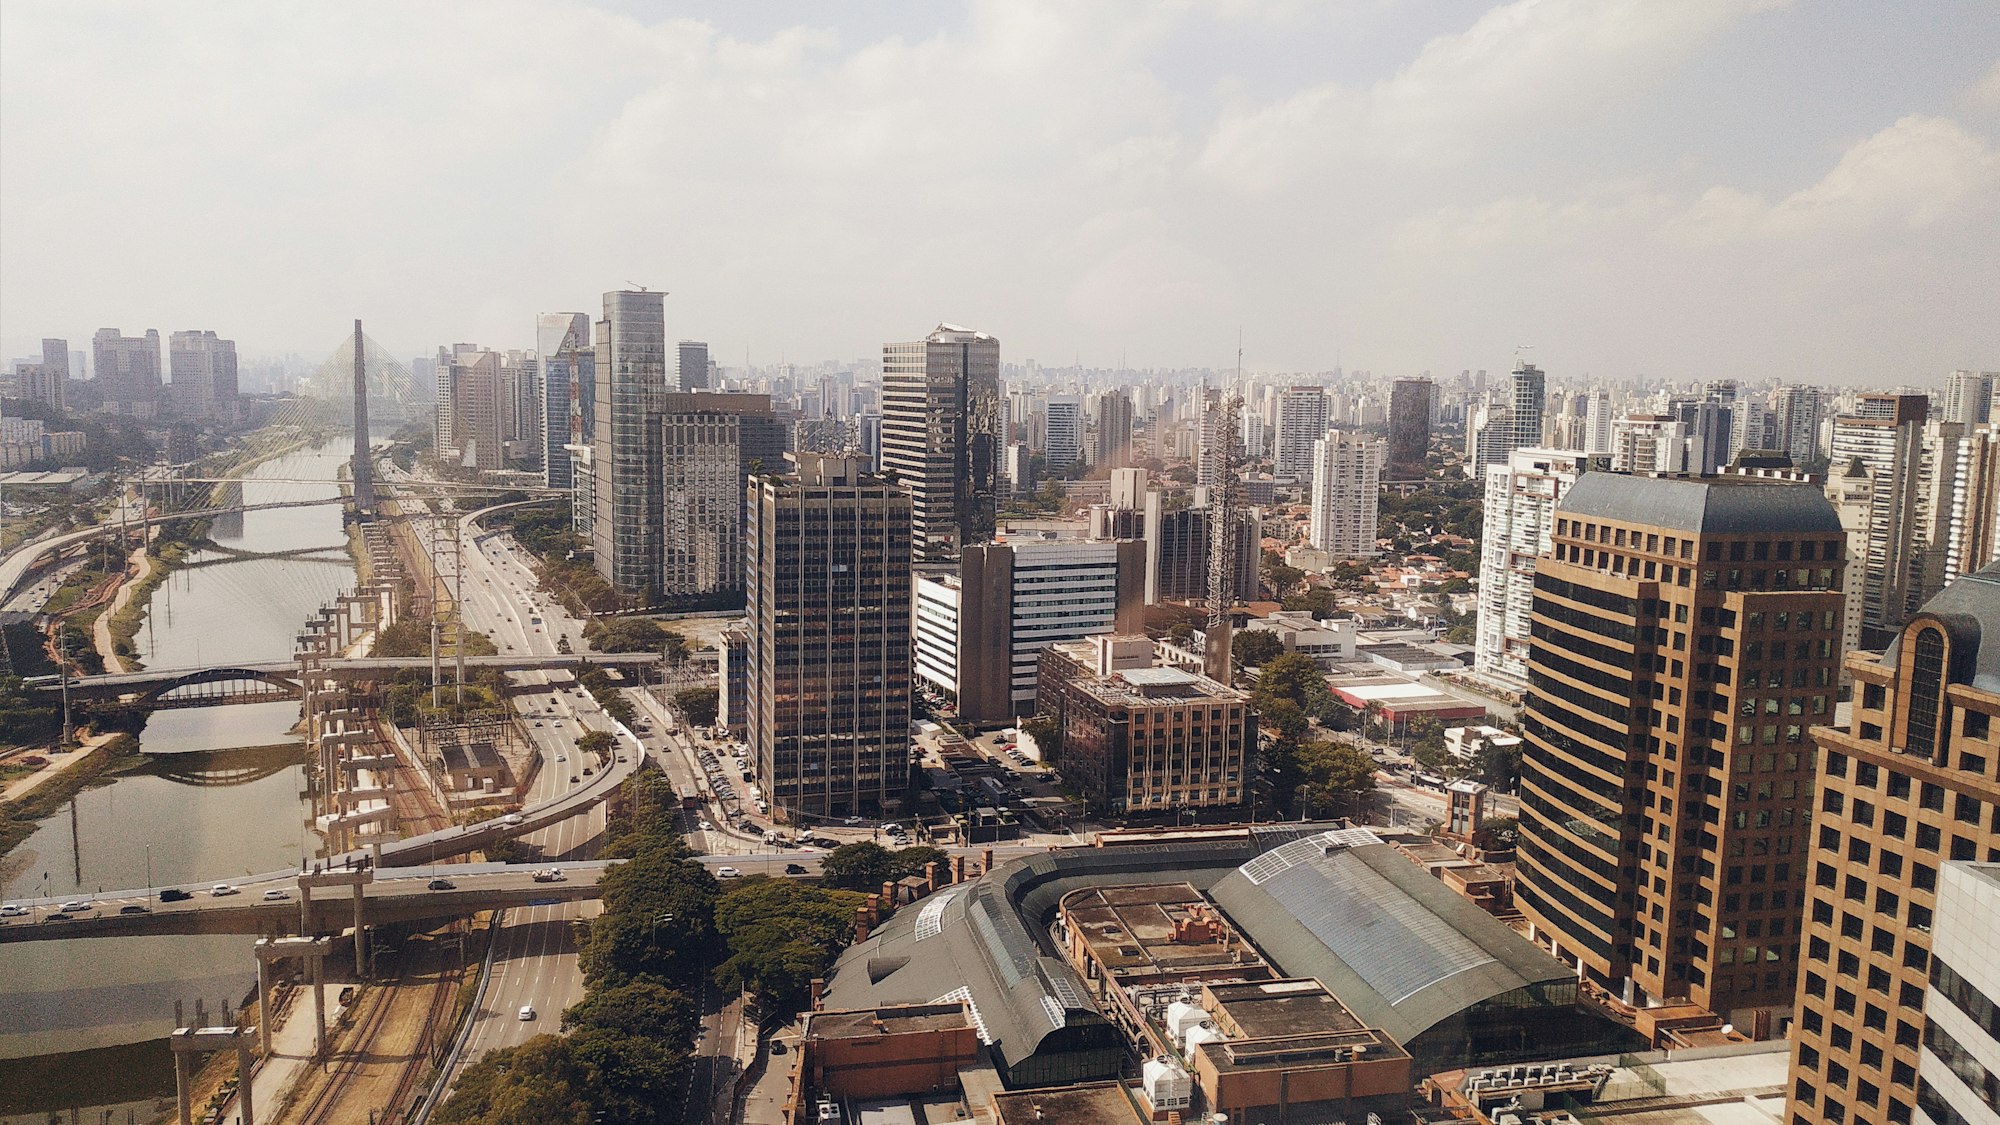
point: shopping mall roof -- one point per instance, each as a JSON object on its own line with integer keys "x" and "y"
{"x": 1399, "y": 948}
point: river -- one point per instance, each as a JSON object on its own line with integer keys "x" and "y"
{"x": 222, "y": 800}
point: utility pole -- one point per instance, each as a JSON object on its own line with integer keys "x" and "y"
{"x": 62, "y": 660}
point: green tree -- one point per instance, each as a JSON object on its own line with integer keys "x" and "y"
{"x": 911, "y": 862}
{"x": 535, "y": 1083}
{"x": 1292, "y": 676}
{"x": 1500, "y": 833}
{"x": 596, "y": 742}
{"x": 780, "y": 934}
{"x": 1047, "y": 733}
{"x": 644, "y": 1008}
{"x": 859, "y": 866}
{"x": 698, "y": 704}
{"x": 1498, "y": 766}
{"x": 634, "y": 634}
{"x": 1336, "y": 774}
{"x": 1251, "y": 648}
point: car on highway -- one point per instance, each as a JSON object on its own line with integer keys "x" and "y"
{"x": 73, "y": 906}
{"x": 276, "y": 894}
{"x": 511, "y": 818}
{"x": 795, "y": 869}
{"x": 174, "y": 894}
{"x": 134, "y": 908}
{"x": 527, "y": 1012}
{"x": 441, "y": 885}
{"x": 552, "y": 875}
{"x": 728, "y": 873}
{"x": 12, "y": 910}
{"x": 221, "y": 889}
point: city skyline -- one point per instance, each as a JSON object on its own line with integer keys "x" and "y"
{"x": 1358, "y": 198}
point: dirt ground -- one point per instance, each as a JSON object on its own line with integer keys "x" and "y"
{"x": 377, "y": 1061}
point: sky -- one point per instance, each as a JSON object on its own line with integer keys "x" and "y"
{"x": 1669, "y": 190}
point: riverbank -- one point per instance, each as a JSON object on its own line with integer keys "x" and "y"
{"x": 38, "y": 796}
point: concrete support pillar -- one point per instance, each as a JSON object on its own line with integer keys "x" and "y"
{"x": 264, "y": 1005}
{"x": 181, "y": 1088}
{"x": 318, "y": 977}
{"x": 360, "y": 934}
{"x": 244, "y": 1083}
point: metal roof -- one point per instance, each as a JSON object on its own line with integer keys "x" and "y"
{"x": 1724, "y": 505}
{"x": 1395, "y": 945}
{"x": 1971, "y": 605}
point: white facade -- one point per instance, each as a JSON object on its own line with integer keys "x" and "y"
{"x": 935, "y": 630}
{"x": 1347, "y": 473}
{"x": 1063, "y": 591}
{"x": 1652, "y": 443}
{"x": 1302, "y": 418}
{"x": 1961, "y": 1054}
{"x": 1326, "y": 643}
{"x": 1521, "y": 499}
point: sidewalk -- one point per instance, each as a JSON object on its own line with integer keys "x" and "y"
{"x": 274, "y": 1077}
{"x": 60, "y": 762}
{"x": 763, "y": 1101}
{"x": 100, "y": 629}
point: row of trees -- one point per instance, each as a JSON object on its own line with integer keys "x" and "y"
{"x": 668, "y": 930}
{"x": 1308, "y": 775}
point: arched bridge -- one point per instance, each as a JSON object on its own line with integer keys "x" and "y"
{"x": 209, "y": 686}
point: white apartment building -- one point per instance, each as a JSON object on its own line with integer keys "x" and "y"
{"x": 1302, "y": 420}
{"x": 1347, "y": 473}
{"x": 1521, "y": 498}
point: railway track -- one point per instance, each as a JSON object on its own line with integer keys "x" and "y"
{"x": 319, "y": 1108}
{"x": 325, "y": 1105}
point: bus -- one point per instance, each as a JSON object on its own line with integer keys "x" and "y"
{"x": 1430, "y": 781}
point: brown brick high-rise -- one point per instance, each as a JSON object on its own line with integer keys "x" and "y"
{"x": 1911, "y": 783}
{"x": 1685, "y": 635}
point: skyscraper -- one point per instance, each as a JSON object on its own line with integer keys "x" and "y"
{"x": 1597, "y": 423}
{"x": 1685, "y": 633}
{"x": 1799, "y": 415}
{"x": 829, "y": 609}
{"x": 708, "y": 442}
{"x": 1065, "y": 432}
{"x": 1528, "y": 406}
{"x": 1520, "y": 517}
{"x": 1301, "y": 422}
{"x": 631, "y": 372}
{"x": 203, "y": 368}
{"x": 568, "y": 373}
{"x": 47, "y": 381}
{"x": 693, "y": 365}
{"x": 1906, "y": 792}
{"x": 1114, "y": 430}
{"x": 941, "y": 434}
{"x": 128, "y": 371}
{"x": 1410, "y": 403}
{"x": 477, "y": 404}
{"x": 1346, "y": 494}
{"x": 1885, "y": 436}
{"x": 1968, "y": 397}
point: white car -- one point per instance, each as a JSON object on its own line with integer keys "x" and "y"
{"x": 527, "y": 1012}
{"x": 221, "y": 889}
{"x": 72, "y": 907}
{"x": 10, "y": 910}
{"x": 728, "y": 873}
{"x": 274, "y": 894}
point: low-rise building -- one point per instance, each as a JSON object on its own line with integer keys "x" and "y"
{"x": 1467, "y": 743}
{"x": 886, "y": 1050}
{"x": 1326, "y": 642}
{"x": 1144, "y": 739}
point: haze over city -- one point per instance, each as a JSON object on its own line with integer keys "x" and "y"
{"x": 1686, "y": 190}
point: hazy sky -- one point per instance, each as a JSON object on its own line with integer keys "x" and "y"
{"x": 1675, "y": 188}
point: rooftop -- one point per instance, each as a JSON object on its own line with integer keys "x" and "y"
{"x": 1971, "y": 607}
{"x": 1156, "y": 928}
{"x": 1712, "y": 505}
{"x": 1399, "y": 948}
{"x": 1271, "y": 1008}
{"x": 1100, "y": 1103}
{"x": 891, "y": 1019}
